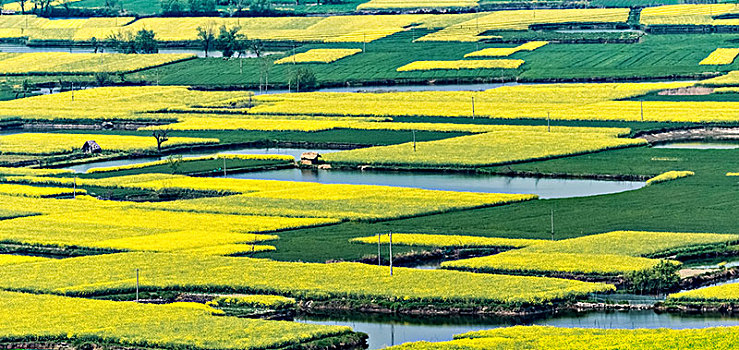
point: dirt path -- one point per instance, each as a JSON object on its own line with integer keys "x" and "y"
{"x": 707, "y": 133}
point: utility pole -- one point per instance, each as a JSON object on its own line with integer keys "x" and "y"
{"x": 549, "y": 128}
{"x": 473, "y": 107}
{"x": 74, "y": 193}
{"x": 379, "y": 257}
{"x": 224, "y": 166}
{"x": 72, "y": 91}
{"x": 551, "y": 216}
{"x": 390, "y": 235}
{"x": 137, "y": 284}
{"x": 414, "y": 140}
{"x": 641, "y": 108}
{"x": 364, "y": 42}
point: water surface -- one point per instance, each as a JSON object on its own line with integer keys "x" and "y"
{"x": 698, "y": 145}
{"x": 388, "y": 331}
{"x": 544, "y": 187}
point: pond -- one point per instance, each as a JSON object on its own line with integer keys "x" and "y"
{"x": 393, "y": 330}
{"x": 698, "y": 145}
{"x": 464, "y": 182}
{"x": 544, "y": 187}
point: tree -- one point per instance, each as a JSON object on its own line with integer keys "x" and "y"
{"x": 145, "y": 42}
{"x": 202, "y": 6}
{"x": 260, "y": 7}
{"x": 236, "y": 6}
{"x": 41, "y": 7}
{"x": 304, "y": 78}
{"x": 660, "y": 278}
{"x": 23, "y": 6}
{"x": 161, "y": 136}
{"x": 103, "y": 78}
{"x": 256, "y": 46}
{"x": 174, "y": 163}
{"x": 24, "y": 88}
{"x": 123, "y": 41}
{"x": 206, "y": 36}
{"x": 230, "y": 41}
{"x": 95, "y": 44}
{"x": 172, "y": 7}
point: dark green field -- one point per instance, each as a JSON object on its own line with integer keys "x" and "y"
{"x": 654, "y": 57}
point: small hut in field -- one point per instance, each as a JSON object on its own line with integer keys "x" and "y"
{"x": 91, "y": 147}
{"x": 310, "y": 158}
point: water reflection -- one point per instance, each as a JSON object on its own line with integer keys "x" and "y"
{"x": 544, "y": 187}
{"x": 698, "y": 145}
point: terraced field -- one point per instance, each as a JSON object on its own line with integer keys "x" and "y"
{"x": 403, "y": 168}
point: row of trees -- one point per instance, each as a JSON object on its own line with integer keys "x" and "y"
{"x": 228, "y": 40}
{"x": 234, "y": 7}
{"x": 39, "y": 7}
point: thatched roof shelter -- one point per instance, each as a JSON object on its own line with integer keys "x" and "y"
{"x": 91, "y": 147}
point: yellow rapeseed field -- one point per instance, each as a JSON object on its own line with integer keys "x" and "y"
{"x": 37, "y": 143}
{"x": 33, "y": 171}
{"x": 730, "y": 79}
{"x": 319, "y": 56}
{"x": 33, "y": 191}
{"x": 106, "y": 103}
{"x": 487, "y": 149}
{"x": 6, "y": 259}
{"x": 275, "y": 157}
{"x": 64, "y": 62}
{"x": 112, "y": 273}
{"x": 726, "y": 293}
{"x": 413, "y": 4}
{"x": 636, "y": 243}
{"x": 607, "y": 254}
{"x": 447, "y": 241}
{"x": 518, "y": 262}
{"x": 670, "y": 175}
{"x": 328, "y": 110}
{"x": 695, "y": 14}
{"x": 461, "y": 64}
{"x": 720, "y": 56}
{"x": 28, "y": 317}
{"x": 321, "y": 29}
{"x": 472, "y": 29}
{"x": 602, "y": 101}
{"x": 87, "y": 222}
{"x": 507, "y": 51}
{"x": 553, "y": 338}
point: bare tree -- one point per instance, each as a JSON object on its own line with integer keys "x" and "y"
{"x": 257, "y": 47}
{"x": 207, "y": 36}
{"x": 265, "y": 64}
{"x": 161, "y": 136}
